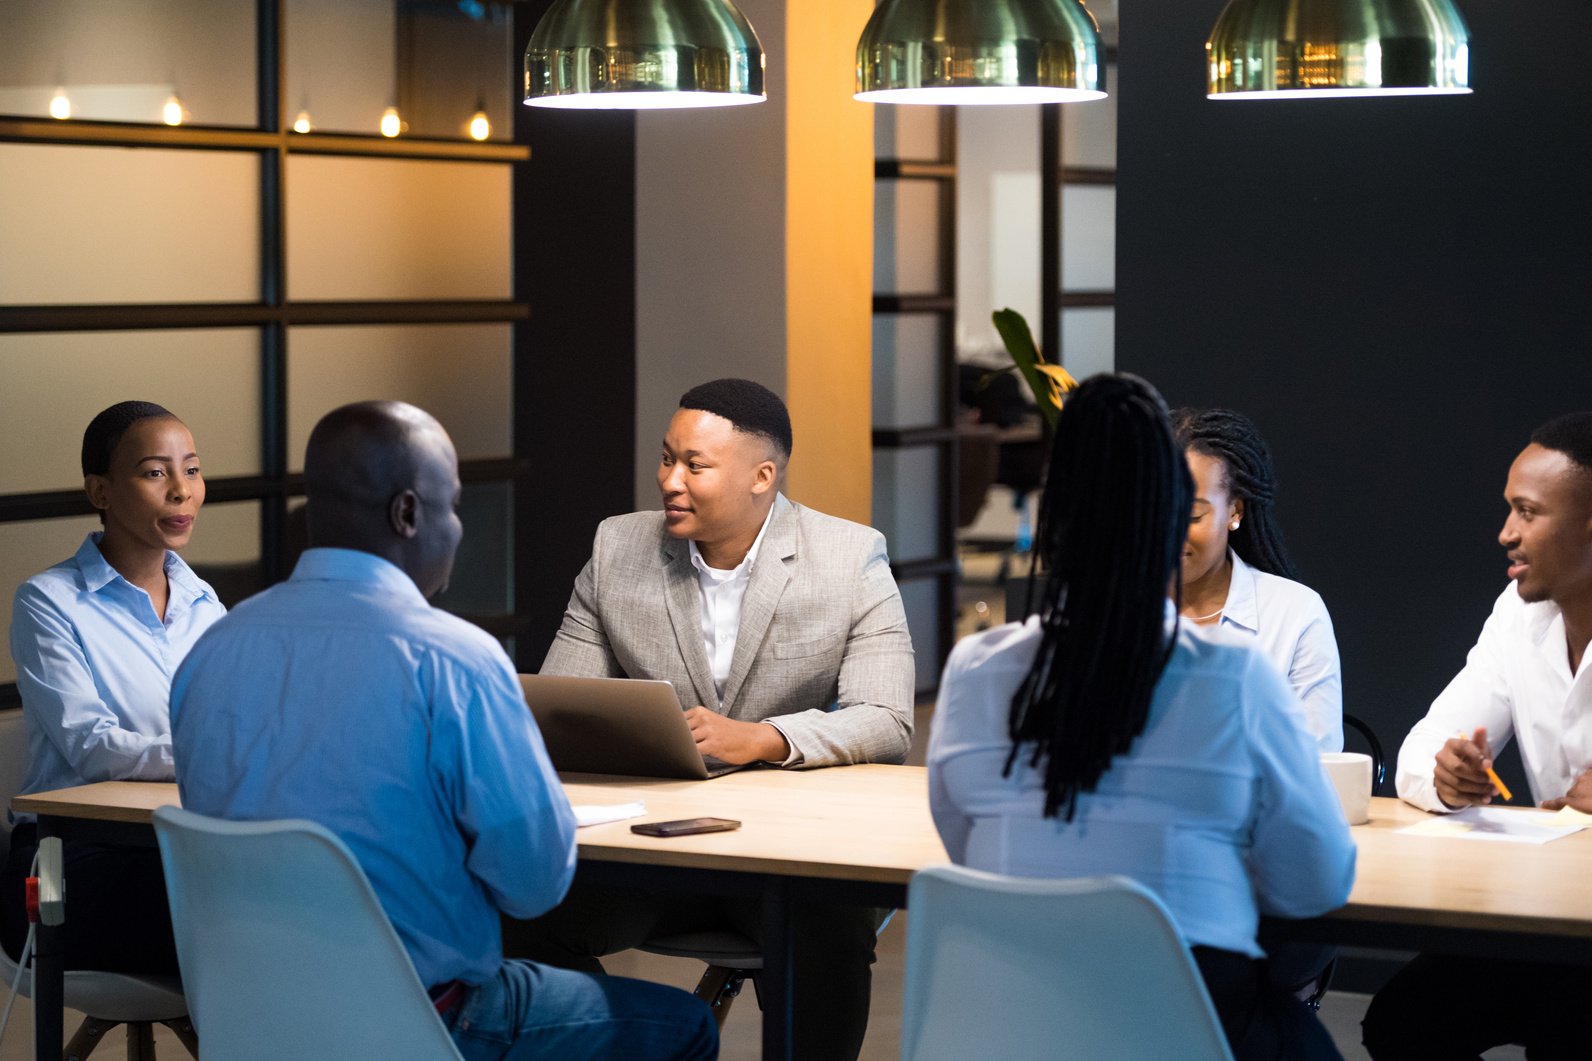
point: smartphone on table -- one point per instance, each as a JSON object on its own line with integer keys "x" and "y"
{"x": 686, "y": 827}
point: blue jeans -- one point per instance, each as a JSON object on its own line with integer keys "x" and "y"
{"x": 536, "y": 1011}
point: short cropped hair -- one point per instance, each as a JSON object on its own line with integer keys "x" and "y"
{"x": 751, "y": 407}
{"x": 1571, "y": 435}
{"x": 105, "y": 432}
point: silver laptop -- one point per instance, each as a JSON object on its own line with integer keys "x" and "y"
{"x": 616, "y": 726}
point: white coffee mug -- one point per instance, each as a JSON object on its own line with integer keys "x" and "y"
{"x": 1350, "y": 774}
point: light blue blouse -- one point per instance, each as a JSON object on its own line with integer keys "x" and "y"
{"x": 1220, "y": 806}
{"x": 94, "y": 667}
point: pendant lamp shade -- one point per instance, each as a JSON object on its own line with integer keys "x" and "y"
{"x": 1321, "y": 49}
{"x": 638, "y": 54}
{"x": 980, "y": 51}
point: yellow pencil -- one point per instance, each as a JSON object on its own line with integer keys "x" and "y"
{"x": 1503, "y": 789}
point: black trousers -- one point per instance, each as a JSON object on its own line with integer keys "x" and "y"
{"x": 117, "y": 919}
{"x": 1262, "y": 1019}
{"x": 1451, "y": 1008}
{"x": 832, "y": 958}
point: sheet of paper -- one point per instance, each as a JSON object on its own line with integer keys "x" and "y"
{"x": 1499, "y": 823}
{"x": 602, "y": 813}
{"x": 1571, "y": 816}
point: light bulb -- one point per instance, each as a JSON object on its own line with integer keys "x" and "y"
{"x": 302, "y": 123}
{"x": 391, "y": 124}
{"x": 60, "y": 105}
{"x": 480, "y": 128}
{"x": 173, "y": 113}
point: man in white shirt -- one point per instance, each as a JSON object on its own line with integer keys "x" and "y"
{"x": 1526, "y": 678}
{"x": 783, "y": 634}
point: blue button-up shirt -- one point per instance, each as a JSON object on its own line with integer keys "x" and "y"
{"x": 341, "y": 696}
{"x": 94, "y": 666}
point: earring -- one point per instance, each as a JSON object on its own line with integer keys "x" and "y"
{"x": 1233, "y": 525}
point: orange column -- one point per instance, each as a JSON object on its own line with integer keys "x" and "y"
{"x": 828, "y": 259}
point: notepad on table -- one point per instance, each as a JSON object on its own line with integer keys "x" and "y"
{"x": 1501, "y": 823}
{"x": 602, "y": 813}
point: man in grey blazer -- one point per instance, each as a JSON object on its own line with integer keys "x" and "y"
{"x": 783, "y": 633}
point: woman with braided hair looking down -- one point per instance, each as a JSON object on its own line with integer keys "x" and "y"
{"x": 1236, "y": 572}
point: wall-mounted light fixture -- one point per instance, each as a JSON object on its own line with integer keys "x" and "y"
{"x": 1324, "y": 49}
{"x": 60, "y": 104}
{"x": 391, "y": 124}
{"x": 642, "y": 54}
{"x": 980, "y": 51}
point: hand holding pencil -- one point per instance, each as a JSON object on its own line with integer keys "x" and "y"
{"x": 1464, "y": 773}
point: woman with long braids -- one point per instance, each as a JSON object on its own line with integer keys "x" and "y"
{"x": 1103, "y": 736}
{"x": 1236, "y": 572}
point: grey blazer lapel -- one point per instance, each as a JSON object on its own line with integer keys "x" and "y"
{"x": 683, "y": 597}
{"x": 763, "y": 591}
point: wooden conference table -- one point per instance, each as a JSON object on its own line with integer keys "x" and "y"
{"x": 857, "y": 834}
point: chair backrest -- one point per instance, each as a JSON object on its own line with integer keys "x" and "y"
{"x": 13, "y": 772}
{"x": 13, "y": 769}
{"x": 284, "y": 948}
{"x": 1017, "y": 968}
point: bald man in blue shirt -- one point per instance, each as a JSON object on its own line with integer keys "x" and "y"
{"x": 341, "y": 696}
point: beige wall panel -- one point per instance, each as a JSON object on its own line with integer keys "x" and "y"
{"x": 459, "y": 373}
{"x": 107, "y": 225}
{"x": 54, "y": 384}
{"x": 362, "y": 228}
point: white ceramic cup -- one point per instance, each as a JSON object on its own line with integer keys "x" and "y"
{"x": 1350, "y": 774}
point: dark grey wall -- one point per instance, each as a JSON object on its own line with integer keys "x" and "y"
{"x": 1397, "y": 290}
{"x": 574, "y": 360}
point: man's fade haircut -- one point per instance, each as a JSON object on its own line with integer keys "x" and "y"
{"x": 751, "y": 407}
{"x": 1570, "y": 434}
{"x": 104, "y": 433}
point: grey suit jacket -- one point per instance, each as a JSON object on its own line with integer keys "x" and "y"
{"x": 823, "y": 647}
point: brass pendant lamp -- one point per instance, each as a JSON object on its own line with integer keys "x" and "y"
{"x": 643, "y": 54}
{"x": 980, "y": 52}
{"x": 1324, "y": 49}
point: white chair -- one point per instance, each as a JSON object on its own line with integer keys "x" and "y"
{"x": 1010, "y": 968}
{"x": 108, "y": 999}
{"x": 285, "y": 949}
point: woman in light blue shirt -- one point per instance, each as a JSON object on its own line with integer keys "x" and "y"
{"x": 1104, "y": 737}
{"x": 96, "y": 640}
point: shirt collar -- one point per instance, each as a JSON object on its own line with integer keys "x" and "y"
{"x": 98, "y": 572}
{"x": 742, "y": 568}
{"x": 355, "y": 565}
{"x": 1542, "y": 619}
{"x": 1241, "y": 608}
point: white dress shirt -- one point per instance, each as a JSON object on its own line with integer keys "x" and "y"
{"x": 1516, "y": 682}
{"x": 1220, "y": 806}
{"x": 722, "y": 594}
{"x": 1295, "y": 632}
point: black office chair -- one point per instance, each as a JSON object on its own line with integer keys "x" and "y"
{"x": 1378, "y": 762}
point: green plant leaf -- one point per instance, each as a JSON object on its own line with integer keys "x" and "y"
{"x": 1025, "y": 355}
